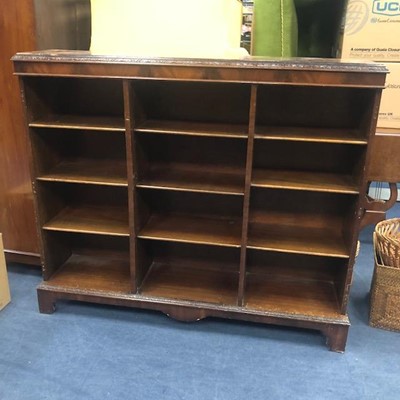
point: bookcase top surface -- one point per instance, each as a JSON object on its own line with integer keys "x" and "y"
{"x": 306, "y": 64}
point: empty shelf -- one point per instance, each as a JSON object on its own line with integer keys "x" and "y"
{"x": 311, "y": 298}
{"x": 191, "y": 284}
{"x": 297, "y": 239}
{"x": 105, "y": 220}
{"x": 107, "y": 272}
{"x": 205, "y": 179}
{"x": 100, "y": 172}
{"x": 192, "y": 229}
{"x": 194, "y": 128}
{"x": 296, "y": 180}
{"x": 88, "y": 122}
{"x": 323, "y": 135}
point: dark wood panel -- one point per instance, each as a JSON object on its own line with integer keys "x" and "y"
{"x": 17, "y": 223}
{"x": 192, "y": 255}
{"x": 23, "y": 258}
{"x": 199, "y": 205}
{"x": 309, "y": 157}
{"x": 340, "y": 109}
{"x": 192, "y": 229}
{"x": 314, "y": 181}
{"x": 192, "y": 284}
{"x": 104, "y": 220}
{"x": 385, "y": 156}
{"x": 294, "y": 266}
{"x": 26, "y": 25}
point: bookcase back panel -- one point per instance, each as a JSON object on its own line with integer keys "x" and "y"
{"x": 83, "y": 194}
{"x": 192, "y": 256}
{"x": 187, "y": 272}
{"x": 298, "y": 207}
{"x": 304, "y": 156}
{"x": 218, "y": 153}
{"x": 193, "y": 204}
{"x": 306, "y": 106}
{"x": 56, "y": 146}
{"x": 74, "y": 96}
{"x": 295, "y": 266}
{"x": 194, "y": 101}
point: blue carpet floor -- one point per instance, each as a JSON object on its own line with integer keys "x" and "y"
{"x": 87, "y": 352}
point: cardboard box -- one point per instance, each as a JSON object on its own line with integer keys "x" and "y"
{"x": 389, "y": 113}
{"x": 372, "y": 30}
{"x": 5, "y": 297}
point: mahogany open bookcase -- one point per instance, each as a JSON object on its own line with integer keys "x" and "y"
{"x": 225, "y": 188}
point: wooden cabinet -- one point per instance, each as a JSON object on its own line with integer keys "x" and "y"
{"x": 201, "y": 187}
{"x": 28, "y": 25}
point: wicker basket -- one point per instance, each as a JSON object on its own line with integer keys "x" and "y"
{"x": 387, "y": 242}
{"x": 385, "y": 294}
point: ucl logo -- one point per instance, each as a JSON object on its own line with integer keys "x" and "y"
{"x": 386, "y": 7}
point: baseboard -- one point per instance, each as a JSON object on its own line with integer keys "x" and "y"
{"x": 22, "y": 257}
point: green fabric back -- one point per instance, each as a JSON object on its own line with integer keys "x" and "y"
{"x": 290, "y": 28}
{"x": 274, "y": 31}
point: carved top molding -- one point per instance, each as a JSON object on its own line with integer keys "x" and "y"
{"x": 306, "y": 64}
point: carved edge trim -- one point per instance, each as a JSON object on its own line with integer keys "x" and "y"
{"x": 308, "y": 64}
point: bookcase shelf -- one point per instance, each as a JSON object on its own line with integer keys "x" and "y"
{"x": 191, "y": 284}
{"x": 193, "y": 229}
{"x": 111, "y": 272}
{"x": 307, "y": 134}
{"x": 194, "y": 128}
{"x": 318, "y": 182}
{"x": 308, "y": 298}
{"x": 201, "y": 187}
{"x": 297, "y": 239}
{"x": 80, "y": 156}
{"x": 113, "y": 124}
{"x": 203, "y": 179}
{"x": 296, "y": 284}
{"x": 104, "y": 220}
{"x": 203, "y": 164}
{"x": 100, "y": 172}
{"x": 188, "y": 272}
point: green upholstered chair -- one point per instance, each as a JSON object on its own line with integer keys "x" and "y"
{"x": 289, "y": 28}
{"x": 274, "y": 31}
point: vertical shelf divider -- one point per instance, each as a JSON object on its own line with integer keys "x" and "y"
{"x": 47, "y": 268}
{"x": 131, "y": 174}
{"x": 369, "y": 126}
{"x": 247, "y": 190}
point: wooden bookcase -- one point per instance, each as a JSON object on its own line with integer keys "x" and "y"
{"x": 201, "y": 187}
